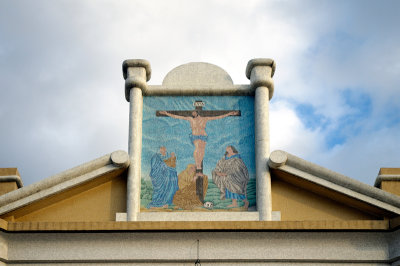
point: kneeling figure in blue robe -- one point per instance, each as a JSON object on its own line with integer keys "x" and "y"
{"x": 164, "y": 179}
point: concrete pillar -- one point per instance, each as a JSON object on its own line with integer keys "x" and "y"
{"x": 260, "y": 72}
{"x": 136, "y": 74}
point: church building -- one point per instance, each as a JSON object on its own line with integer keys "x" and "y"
{"x": 198, "y": 185}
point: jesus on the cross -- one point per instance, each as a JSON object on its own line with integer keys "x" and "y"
{"x": 198, "y": 119}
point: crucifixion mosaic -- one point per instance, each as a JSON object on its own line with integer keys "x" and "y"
{"x": 198, "y": 154}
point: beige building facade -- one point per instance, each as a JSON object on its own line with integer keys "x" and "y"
{"x": 304, "y": 214}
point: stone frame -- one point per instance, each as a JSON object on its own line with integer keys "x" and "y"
{"x": 200, "y": 79}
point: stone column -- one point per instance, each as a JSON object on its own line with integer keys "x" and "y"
{"x": 136, "y": 74}
{"x": 260, "y": 72}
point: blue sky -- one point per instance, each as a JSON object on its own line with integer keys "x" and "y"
{"x": 336, "y": 100}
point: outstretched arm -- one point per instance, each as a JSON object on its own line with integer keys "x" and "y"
{"x": 223, "y": 116}
{"x": 174, "y": 116}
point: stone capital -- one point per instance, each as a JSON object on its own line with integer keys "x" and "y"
{"x": 277, "y": 159}
{"x": 120, "y": 158}
{"x": 260, "y": 72}
{"x": 136, "y": 74}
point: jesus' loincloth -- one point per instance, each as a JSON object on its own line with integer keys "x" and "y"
{"x": 196, "y": 137}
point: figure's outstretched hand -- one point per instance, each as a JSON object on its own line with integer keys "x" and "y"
{"x": 163, "y": 112}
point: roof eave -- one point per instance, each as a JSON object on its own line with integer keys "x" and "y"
{"x": 316, "y": 174}
{"x": 63, "y": 181}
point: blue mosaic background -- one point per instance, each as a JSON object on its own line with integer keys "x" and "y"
{"x": 174, "y": 133}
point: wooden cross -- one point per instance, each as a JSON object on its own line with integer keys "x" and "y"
{"x": 203, "y": 113}
{"x": 199, "y": 108}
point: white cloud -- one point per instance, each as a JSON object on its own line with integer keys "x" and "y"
{"x": 288, "y": 132}
{"x": 362, "y": 156}
{"x": 63, "y": 92}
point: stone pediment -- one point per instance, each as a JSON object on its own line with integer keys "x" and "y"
{"x": 295, "y": 182}
{"x": 65, "y": 186}
{"x": 332, "y": 185}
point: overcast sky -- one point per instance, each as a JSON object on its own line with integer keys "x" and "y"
{"x": 336, "y": 100}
